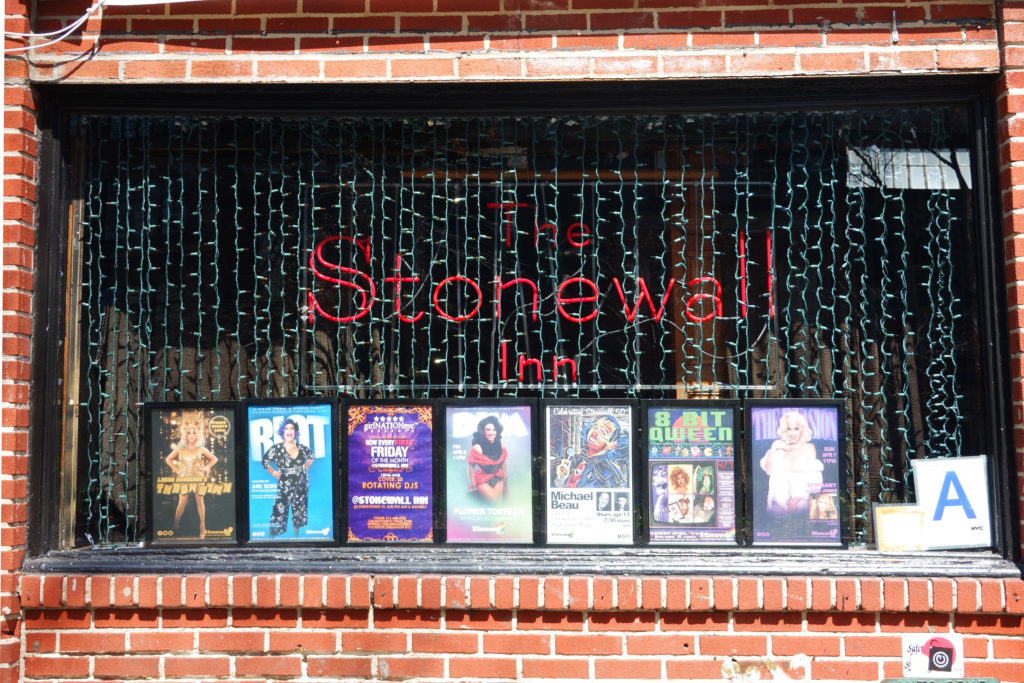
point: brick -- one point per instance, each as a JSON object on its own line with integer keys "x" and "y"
{"x": 336, "y": 618}
{"x": 693, "y": 669}
{"x": 1008, "y": 648}
{"x": 626, "y": 591}
{"x": 692, "y": 19}
{"x": 374, "y": 642}
{"x": 269, "y": 665}
{"x": 558, "y": 668}
{"x": 408, "y": 594}
{"x": 411, "y": 667}
{"x": 967, "y": 595}
{"x": 155, "y": 70}
{"x": 242, "y": 590}
{"x": 401, "y": 618}
{"x": 912, "y": 622}
{"x": 821, "y": 594}
{"x": 197, "y": 665}
{"x": 650, "y": 590}
{"x": 383, "y": 592}
{"x": 989, "y": 624}
{"x": 74, "y": 641}
{"x": 356, "y": 69}
{"x": 895, "y": 593}
{"x": 163, "y": 641}
{"x": 762, "y": 63}
{"x": 489, "y": 67}
{"x": 630, "y": 66}
{"x": 231, "y": 641}
{"x": 302, "y": 641}
{"x": 430, "y": 592}
{"x": 288, "y": 69}
{"x": 63, "y": 666}
{"x": 1001, "y": 671}
{"x": 872, "y": 646}
{"x": 812, "y": 646}
{"x": 991, "y": 595}
{"x": 845, "y": 670}
{"x": 614, "y": 21}
{"x": 486, "y": 620}
{"x": 550, "y": 620}
{"x": 631, "y": 669}
{"x": 422, "y": 68}
{"x": 695, "y": 621}
{"x": 339, "y": 667}
{"x": 871, "y": 595}
{"x": 430, "y": 23}
{"x": 461, "y": 643}
{"x": 968, "y": 59}
{"x": 482, "y": 667}
{"x": 745, "y": 646}
{"x": 659, "y": 644}
{"x": 195, "y": 591}
{"x": 455, "y": 591}
{"x": 846, "y": 595}
{"x": 841, "y": 621}
{"x": 621, "y": 621}
{"x": 588, "y": 644}
{"x": 517, "y": 643}
{"x": 263, "y": 618}
{"x": 126, "y": 667}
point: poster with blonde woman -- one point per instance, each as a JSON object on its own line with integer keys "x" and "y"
{"x": 794, "y": 451}
{"x": 192, "y": 452}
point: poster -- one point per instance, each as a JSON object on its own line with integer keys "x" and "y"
{"x": 589, "y": 477}
{"x": 292, "y": 471}
{"x": 192, "y": 452}
{"x": 489, "y": 481}
{"x": 389, "y": 451}
{"x": 953, "y": 494}
{"x": 794, "y": 452}
{"x": 691, "y": 473}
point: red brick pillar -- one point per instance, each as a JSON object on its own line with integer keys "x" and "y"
{"x": 1010, "y": 99}
{"x": 18, "y": 240}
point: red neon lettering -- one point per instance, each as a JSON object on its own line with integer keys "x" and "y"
{"x": 504, "y": 360}
{"x": 560, "y": 300}
{"x": 581, "y": 230}
{"x": 500, "y": 286}
{"x": 367, "y": 301}
{"x": 547, "y": 226}
{"x": 524, "y": 361}
{"x": 557, "y": 362}
{"x": 717, "y": 297}
{"x": 644, "y": 295}
{"x": 743, "y": 276}
{"x": 507, "y": 208}
{"x": 398, "y": 280}
{"x": 437, "y": 298}
{"x": 771, "y": 271}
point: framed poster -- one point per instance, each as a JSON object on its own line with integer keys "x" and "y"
{"x": 589, "y": 476}
{"x": 690, "y": 452}
{"x": 796, "y": 479}
{"x": 389, "y": 456}
{"x": 488, "y": 451}
{"x": 292, "y": 468}
{"x": 192, "y": 451}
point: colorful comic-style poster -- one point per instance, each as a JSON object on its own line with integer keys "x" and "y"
{"x": 589, "y": 478}
{"x": 192, "y": 451}
{"x": 489, "y": 482}
{"x": 691, "y": 473}
{"x": 796, "y": 476}
{"x": 291, "y": 471}
{"x": 390, "y": 478}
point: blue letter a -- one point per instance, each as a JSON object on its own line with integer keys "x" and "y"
{"x": 952, "y": 482}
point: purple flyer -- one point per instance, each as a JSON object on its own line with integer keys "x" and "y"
{"x": 390, "y": 475}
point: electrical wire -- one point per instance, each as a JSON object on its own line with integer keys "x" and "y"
{"x": 60, "y": 33}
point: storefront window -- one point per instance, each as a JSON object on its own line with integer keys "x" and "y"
{"x": 760, "y": 255}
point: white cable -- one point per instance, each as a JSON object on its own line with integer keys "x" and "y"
{"x": 60, "y": 33}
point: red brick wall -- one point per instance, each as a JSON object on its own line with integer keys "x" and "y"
{"x": 227, "y": 627}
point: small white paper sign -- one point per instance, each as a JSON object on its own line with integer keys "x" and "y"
{"x": 898, "y": 527}
{"x": 953, "y": 493}
{"x": 927, "y": 655}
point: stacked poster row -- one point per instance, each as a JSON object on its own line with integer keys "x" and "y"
{"x": 499, "y": 471}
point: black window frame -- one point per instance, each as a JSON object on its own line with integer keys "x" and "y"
{"x": 50, "y": 320}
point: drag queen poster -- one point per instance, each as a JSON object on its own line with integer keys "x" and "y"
{"x": 795, "y": 470}
{"x": 589, "y": 489}
{"x": 389, "y": 453}
{"x": 292, "y": 471}
{"x": 489, "y": 481}
{"x": 192, "y": 452}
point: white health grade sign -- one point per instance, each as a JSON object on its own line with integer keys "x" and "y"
{"x": 953, "y": 493}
